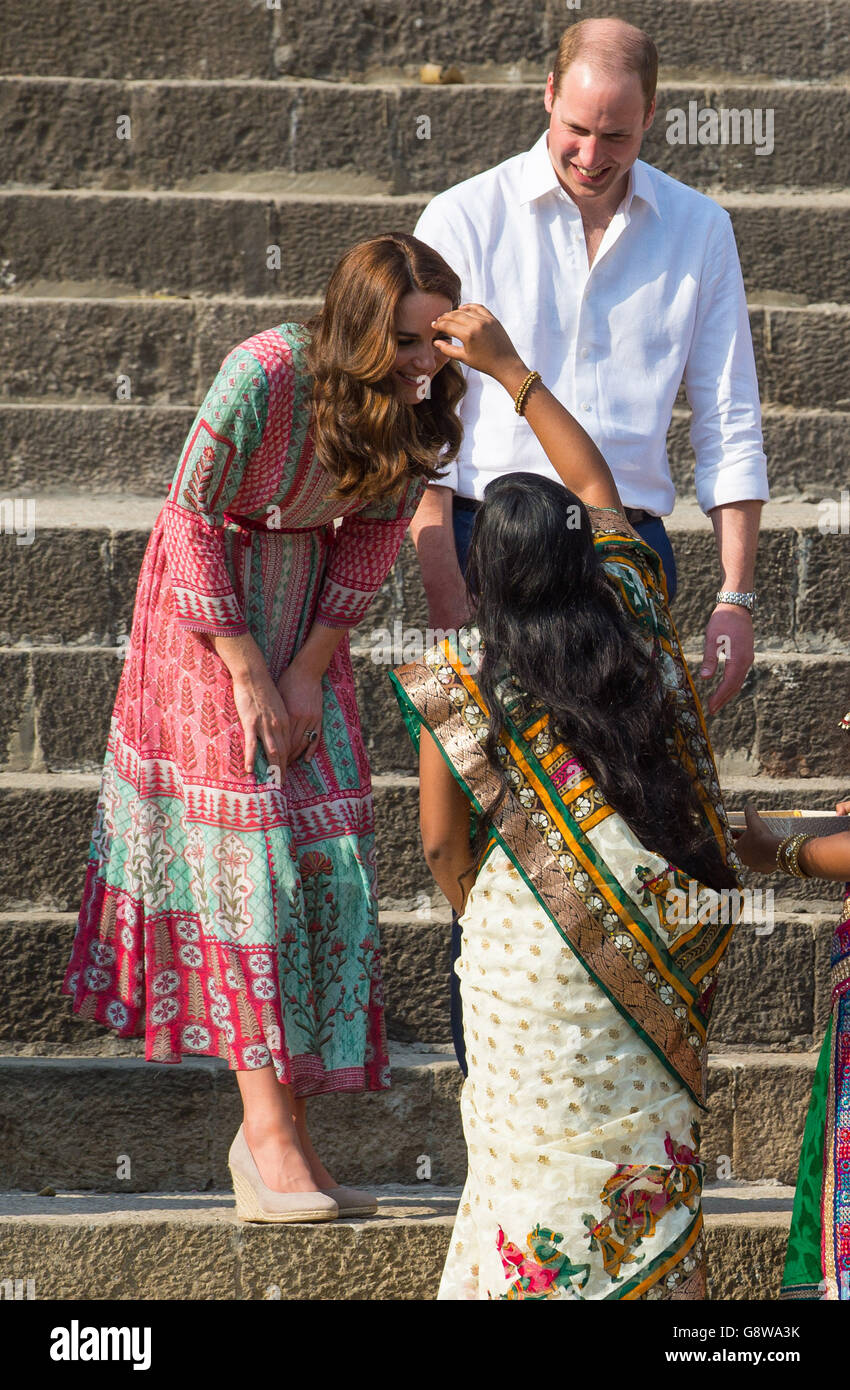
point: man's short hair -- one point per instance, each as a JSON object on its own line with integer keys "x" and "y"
{"x": 622, "y": 48}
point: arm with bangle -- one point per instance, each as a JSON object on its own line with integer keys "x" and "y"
{"x": 485, "y": 346}
{"x": 798, "y": 854}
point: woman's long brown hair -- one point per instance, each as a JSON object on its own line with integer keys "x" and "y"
{"x": 365, "y": 436}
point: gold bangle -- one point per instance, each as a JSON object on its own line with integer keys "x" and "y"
{"x": 519, "y": 398}
{"x": 788, "y": 855}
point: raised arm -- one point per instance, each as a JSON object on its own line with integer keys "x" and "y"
{"x": 485, "y": 346}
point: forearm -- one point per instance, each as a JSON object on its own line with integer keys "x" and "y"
{"x": 314, "y": 657}
{"x": 568, "y": 447}
{"x": 453, "y": 871}
{"x": 432, "y": 534}
{"x": 736, "y": 528}
{"x": 827, "y": 856}
{"x": 241, "y": 656}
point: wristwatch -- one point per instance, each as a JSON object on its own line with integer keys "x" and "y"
{"x": 747, "y": 601}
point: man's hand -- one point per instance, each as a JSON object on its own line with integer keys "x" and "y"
{"x": 729, "y": 636}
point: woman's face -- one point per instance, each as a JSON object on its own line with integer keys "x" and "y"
{"x": 417, "y": 360}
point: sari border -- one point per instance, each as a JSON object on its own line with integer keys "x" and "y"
{"x": 639, "y": 1285}
{"x": 587, "y": 938}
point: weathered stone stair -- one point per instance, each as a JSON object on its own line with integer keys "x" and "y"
{"x": 146, "y": 258}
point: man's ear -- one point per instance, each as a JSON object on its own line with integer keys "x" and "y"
{"x": 549, "y": 94}
{"x": 650, "y": 115}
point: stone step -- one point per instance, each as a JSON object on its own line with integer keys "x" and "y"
{"x": 179, "y": 1245}
{"x": 167, "y": 352}
{"x": 225, "y": 242}
{"x": 109, "y": 447}
{"x": 69, "y": 1120}
{"x": 404, "y": 137}
{"x": 798, "y": 39}
{"x": 97, "y": 543}
{"x": 58, "y": 702}
{"x": 47, "y": 821}
{"x": 774, "y": 992}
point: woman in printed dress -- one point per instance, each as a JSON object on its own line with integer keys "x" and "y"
{"x": 230, "y": 903}
{"x": 561, "y": 730}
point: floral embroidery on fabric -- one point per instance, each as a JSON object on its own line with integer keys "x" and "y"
{"x": 542, "y": 1270}
{"x": 638, "y": 1196}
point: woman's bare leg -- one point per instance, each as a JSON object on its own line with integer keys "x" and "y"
{"x": 320, "y": 1173}
{"x": 271, "y": 1132}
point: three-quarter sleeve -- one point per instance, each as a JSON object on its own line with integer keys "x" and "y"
{"x": 227, "y": 429}
{"x": 364, "y": 550}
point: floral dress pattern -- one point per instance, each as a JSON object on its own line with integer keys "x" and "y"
{"x": 223, "y": 913}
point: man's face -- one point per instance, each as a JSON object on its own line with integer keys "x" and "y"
{"x": 596, "y": 125}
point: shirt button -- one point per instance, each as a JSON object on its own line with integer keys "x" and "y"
{"x": 585, "y": 352}
{"x": 586, "y": 406}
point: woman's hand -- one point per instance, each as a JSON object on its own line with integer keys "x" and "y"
{"x": 264, "y": 719}
{"x": 301, "y": 691}
{"x": 756, "y": 846}
{"x": 484, "y": 344}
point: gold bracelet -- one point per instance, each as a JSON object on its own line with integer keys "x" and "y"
{"x": 788, "y": 855}
{"x": 519, "y": 399}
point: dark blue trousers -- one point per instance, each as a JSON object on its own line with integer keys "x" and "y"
{"x": 654, "y": 533}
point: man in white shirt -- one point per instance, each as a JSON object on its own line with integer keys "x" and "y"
{"x": 616, "y": 283}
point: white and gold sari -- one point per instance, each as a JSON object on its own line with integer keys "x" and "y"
{"x": 585, "y": 994}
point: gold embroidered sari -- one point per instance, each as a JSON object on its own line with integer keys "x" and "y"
{"x": 587, "y": 971}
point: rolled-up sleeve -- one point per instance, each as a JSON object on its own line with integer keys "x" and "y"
{"x": 226, "y": 431}
{"x": 721, "y": 382}
{"x": 363, "y": 552}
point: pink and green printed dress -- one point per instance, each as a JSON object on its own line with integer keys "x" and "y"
{"x": 224, "y": 914}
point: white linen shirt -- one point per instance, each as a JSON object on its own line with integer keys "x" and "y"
{"x": 664, "y": 301}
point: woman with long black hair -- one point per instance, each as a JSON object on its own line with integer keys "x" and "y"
{"x": 570, "y": 812}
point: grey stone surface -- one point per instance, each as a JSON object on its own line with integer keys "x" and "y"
{"x": 84, "y": 346}
{"x": 184, "y": 1245}
{"x": 773, "y": 990}
{"x": 218, "y": 243}
{"x": 416, "y": 966}
{"x": 34, "y": 954}
{"x": 745, "y": 1256}
{"x": 186, "y": 135}
{"x": 698, "y": 35}
{"x": 16, "y": 710}
{"x": 74, "y": 693}
{"x": 46, "y": 834}
{"x": 135, "y": 446}
{"x": 806, "y": 449}
{"x": 103, "y": 447}
{"x": 804, "y": 357}
{"x": 766, "y": 987}
{"x": 213, "y": 40}
{"x": 771, "y": 1100}
{"x": 336, "y": 39}
{"x": 165, "y": 243}
{"x": 70, "y": 1119}
{"x": 171, "y": 348}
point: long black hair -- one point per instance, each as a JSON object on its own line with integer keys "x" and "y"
{"x": 554, "y": 627}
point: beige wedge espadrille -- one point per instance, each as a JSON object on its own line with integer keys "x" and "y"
{"x": 256, "y": 1202}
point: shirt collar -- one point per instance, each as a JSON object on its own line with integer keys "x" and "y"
{"x": 539, "y": 178}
